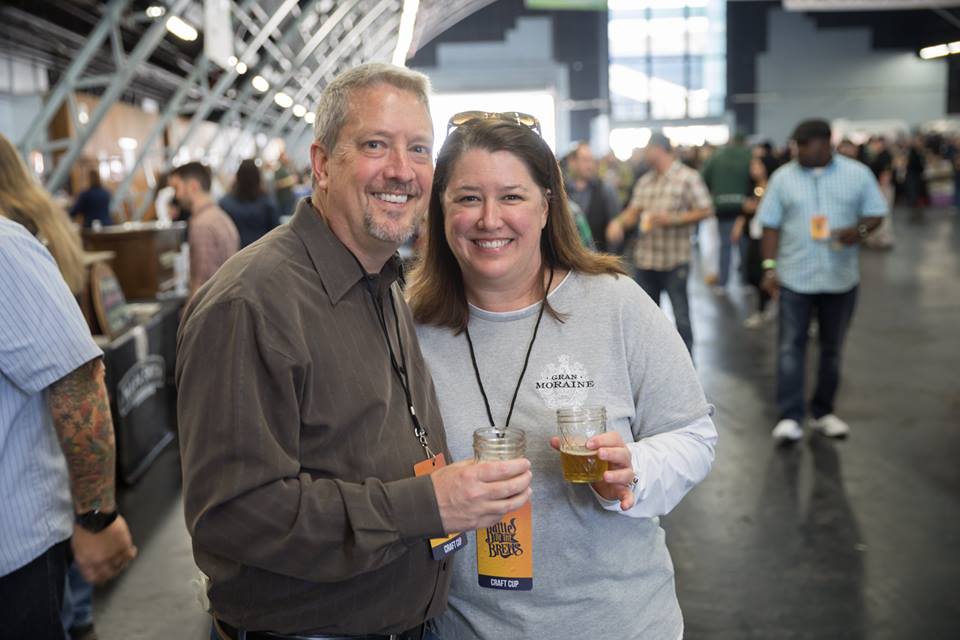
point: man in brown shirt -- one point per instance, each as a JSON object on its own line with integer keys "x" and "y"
{"x": 211, "y": 234}
{"x": 304, "y": 401}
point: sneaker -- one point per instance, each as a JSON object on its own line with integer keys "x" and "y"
{"x": 770, "y": 313}
{"x": 754, "y": 321}
{"x": 787, "y": 431}
{"x": 831, "y": 426}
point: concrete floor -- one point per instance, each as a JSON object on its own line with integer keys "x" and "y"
{"x": 858, "y": 539}
{"x": 154, "y": 599}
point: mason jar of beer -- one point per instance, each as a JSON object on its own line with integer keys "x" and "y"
{"x": 491, "y": 443}
{"x": 504, "y": 550}
{"x": 577, "y": 425}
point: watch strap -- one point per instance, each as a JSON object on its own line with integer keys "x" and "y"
{"x": 96, "y": 521}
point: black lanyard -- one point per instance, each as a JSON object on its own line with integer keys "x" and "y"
{"x": 526, "y": 361}
{"x": 399, "y": 368}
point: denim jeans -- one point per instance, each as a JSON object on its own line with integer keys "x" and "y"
{"x": 834, "y": 311}
{"x": 77, "y": 600}
{"x": 674, "y": 282}
{"x": 32, "y": 597}
{"x": 726, "y": 250}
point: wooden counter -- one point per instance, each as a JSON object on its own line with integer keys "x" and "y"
{"x": 144, "y": 254}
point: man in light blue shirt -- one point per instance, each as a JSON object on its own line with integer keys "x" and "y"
{"x": 815, "y": 213}
{"x": 56, "y": 444}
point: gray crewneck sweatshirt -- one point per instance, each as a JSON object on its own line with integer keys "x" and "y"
{"x": 596, "y": 573}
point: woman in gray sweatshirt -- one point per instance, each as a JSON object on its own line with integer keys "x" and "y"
{"x": 516, "y": 320}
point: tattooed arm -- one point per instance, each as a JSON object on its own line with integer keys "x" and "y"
{"x": 81, "y": 416}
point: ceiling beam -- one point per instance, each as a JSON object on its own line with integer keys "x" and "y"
{"x": 66, "y": 85}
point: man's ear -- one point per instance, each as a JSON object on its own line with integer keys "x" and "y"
{"x": 319, "y": 163}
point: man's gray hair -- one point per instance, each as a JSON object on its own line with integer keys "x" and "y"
{"x": 334, "y": 104}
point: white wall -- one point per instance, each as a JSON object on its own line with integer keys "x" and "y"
{"x": 522, "y": 62}
{"x": 833, "y": 73}
{"x": 22, "y": 85}
{"x": 16, "y": 114}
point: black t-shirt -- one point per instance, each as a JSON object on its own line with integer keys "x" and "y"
{"x": 881, "y": 163}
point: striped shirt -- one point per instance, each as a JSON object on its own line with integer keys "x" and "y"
{"x": 43, "y": 337}
{"x": 843, "y": 191}
{"x": 213, "y": 238}
{"x": 678, "y": 189}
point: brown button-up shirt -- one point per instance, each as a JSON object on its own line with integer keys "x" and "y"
{"x": 297, "y": 444}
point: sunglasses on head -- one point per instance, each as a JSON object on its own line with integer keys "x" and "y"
{"x": 515, "y": 117}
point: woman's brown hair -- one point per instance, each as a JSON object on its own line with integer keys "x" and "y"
{"x": 249, "y": 185}
{"x": 435, "y": 290}
{"x": 23, "y": 200}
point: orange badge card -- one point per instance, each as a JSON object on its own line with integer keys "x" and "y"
{"x": 505, "y": 552}
{"x": 819, "y": 228}
{"x": 440, "y": 548}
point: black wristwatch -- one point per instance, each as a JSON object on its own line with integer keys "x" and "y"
{"x": 96, "y": 521}
{"x": 863, "y": 230}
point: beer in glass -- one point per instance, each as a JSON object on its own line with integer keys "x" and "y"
{"x": 576, "y": 426}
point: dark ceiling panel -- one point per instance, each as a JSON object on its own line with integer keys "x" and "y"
{"x": 897, "y": 29}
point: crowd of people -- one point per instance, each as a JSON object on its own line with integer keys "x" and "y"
{"x": 914, "y": 171}
{"x": 334, "y": 447}
{"x": 917, "y": 170}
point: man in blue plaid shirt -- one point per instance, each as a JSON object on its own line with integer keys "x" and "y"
{"x": 815, "y": 213}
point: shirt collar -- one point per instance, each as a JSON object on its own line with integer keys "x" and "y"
{"x": 670, "y": 170}
{"x": 339, "y": 271}
{"x": 827, "y": 168}
{"x": 209, "y": 206}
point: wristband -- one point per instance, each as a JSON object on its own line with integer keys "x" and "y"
{"x": 769, "y": 263}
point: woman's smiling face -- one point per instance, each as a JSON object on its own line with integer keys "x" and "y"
{"x": 494, "y": 214}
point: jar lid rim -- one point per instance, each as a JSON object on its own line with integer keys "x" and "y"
{"x": 497, "y": 438}
{"x": 581, "y": 410}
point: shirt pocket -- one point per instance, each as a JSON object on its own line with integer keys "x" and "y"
{"x": 846, "y": 207}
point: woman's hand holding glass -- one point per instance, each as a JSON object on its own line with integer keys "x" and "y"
{"x": 618, "y": 480}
